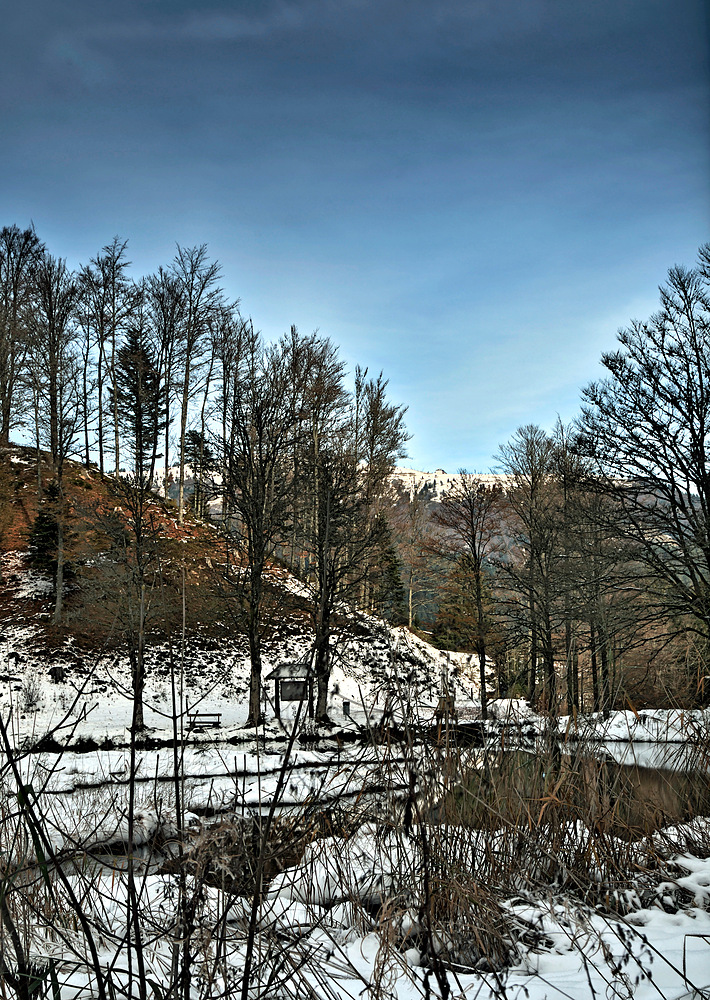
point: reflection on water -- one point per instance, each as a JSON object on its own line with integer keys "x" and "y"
{"x": 639, "y": 800}
{"x": 584, "y": 784}
{"x": 664, "y": 756}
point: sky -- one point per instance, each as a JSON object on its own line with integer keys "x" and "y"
{"x": 471, "y": 196}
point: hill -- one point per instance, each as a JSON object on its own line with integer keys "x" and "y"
{"x": 76, "y": 674}
{"x": 434, "y": 485}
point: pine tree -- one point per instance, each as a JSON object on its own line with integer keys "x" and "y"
{"x": 44, "y": 533}
{"x": 388, "y": 597}
{"x": 141, "y": 400}
{"x": 203, "y": 462}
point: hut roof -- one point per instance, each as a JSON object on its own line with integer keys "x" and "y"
{"x": 289, "y": 672}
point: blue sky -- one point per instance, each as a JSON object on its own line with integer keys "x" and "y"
{"x": 471, "y": 195}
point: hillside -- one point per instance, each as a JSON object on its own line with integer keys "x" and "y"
{"x": 434, "y": 485}
{"x": 195, "y": 625}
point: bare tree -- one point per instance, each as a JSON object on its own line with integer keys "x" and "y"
{"x": 647, "y": 425}
{"x": 56, "y": 371}
{"x": 20, "y": 253}
{"x": 196, "y": 281}
{"x": 533, "y": 564}
{"x": 89, "y": 404}
{"x": 258, "y": 478}
{"x": 108, "y": 296}
{"x": 470, "y": 516}
{"x": 165, "y": 306}
{"x": 344, "y": 526}
{"x": 412, "y": 530}
{"x": 232, "y": 337}
{"x": 53, "y": 334}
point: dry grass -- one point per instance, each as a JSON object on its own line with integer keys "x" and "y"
{"x": 467, "y": 833}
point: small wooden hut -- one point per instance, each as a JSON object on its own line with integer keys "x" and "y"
{"x": 292, "y": 682}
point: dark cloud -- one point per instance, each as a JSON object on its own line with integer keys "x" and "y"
{"x": 406, "y": 43}
{"x": 454, "y": 173}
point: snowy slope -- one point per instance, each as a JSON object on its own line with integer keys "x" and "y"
{"x": 435, "y": 484}
{"x": 88, "y": 692}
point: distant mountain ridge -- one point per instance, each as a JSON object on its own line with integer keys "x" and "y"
{"x": 436, "y": 484}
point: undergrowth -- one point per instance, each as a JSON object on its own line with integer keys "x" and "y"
{"x": 441, "y": 863}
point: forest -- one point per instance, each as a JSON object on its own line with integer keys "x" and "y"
{"x": 184, "y": 506}
{"x": 578, "y": 574}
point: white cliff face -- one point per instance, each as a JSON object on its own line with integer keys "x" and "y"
{"x": 436, "y": 483}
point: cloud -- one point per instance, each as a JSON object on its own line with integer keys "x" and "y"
{"x": 210, "y": 24}
{"x": 82, "y": 60}
{"x": 223, "y": 26}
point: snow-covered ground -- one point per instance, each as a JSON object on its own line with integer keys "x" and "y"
{"x": 343, "y": 923}
{"x": 349, "y": 919}
{"x": 644, "y": 726}
{"x": 93, "y": 700}
{"x": 354, "y": 916}
{"x": 77, "y": 695}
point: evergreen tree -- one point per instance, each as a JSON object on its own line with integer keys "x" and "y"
{"x": 387, "y": 597}
{"x": 44, "y": 533}
{"x": 141, "y": 400}
{"x": 203, "y": 463}
{"x": 44, "y": 536}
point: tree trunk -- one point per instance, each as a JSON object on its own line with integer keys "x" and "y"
{"x": 253, "y": 616}
{"x": 550, "y": 679}
{"x": 322, "y": 662}
{"x": 38, "y": 449}
{"x": 593, "y": 657}
{"x": 137, "y": 658}
{"x": 166, "y": 463}
{"x": 138, "y": 683}
{"x": 532, "y": 676}
{"x": 604, "y": 656}
{"x": 575, "y": 675}
{"x": 322, "y": 672}
{"x": 481, "y": 644}
{"x": 183, "y": 427}
{"x": 569, "y": 662}
{"x": 116, "y": 431}
{"x": 85, "y": 415}
{"x": 59, "y": 583}
{"x": 100, "y": 396}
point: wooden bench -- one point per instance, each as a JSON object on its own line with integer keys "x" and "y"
{"x": 203, "y": 720}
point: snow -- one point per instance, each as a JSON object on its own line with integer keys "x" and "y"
{"x": 645, "y": 726}
{"x": 349, "y": 918}
{"x": 319, "y": 914}
{"x": 438, "y": 483}
{"x": 95, "y": 701}
{"x": 29, "y": 583}
{"x": 365, "y": 867}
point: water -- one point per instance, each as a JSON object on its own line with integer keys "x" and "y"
{"x": 583, "y": 784}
